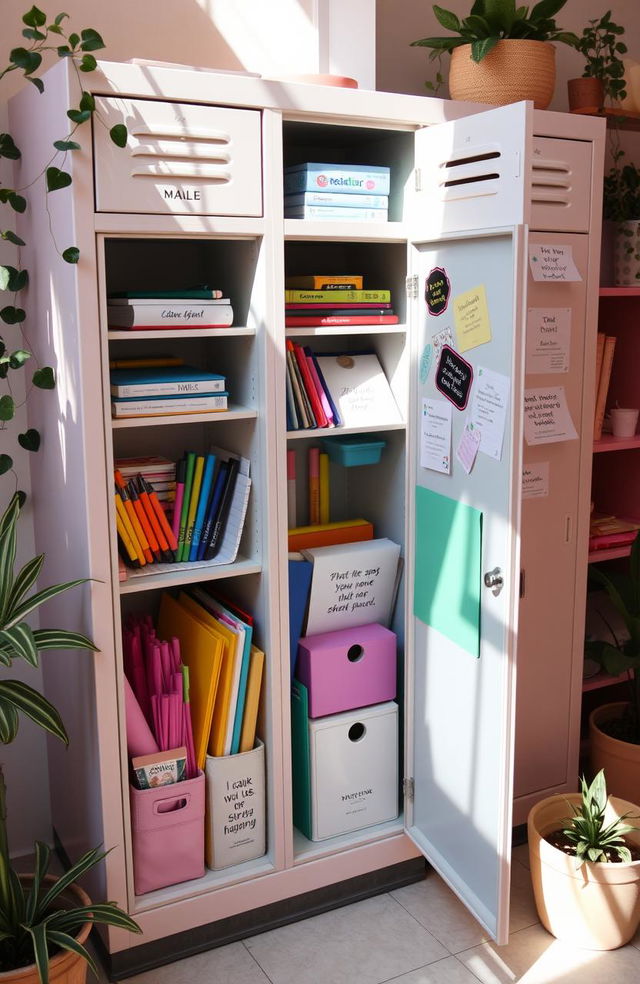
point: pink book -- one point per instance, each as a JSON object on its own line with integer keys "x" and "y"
{"x": 322, "y": 396}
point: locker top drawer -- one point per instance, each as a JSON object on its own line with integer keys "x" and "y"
{"x": 179, "y": 158}
{"x": 560, "y": 185}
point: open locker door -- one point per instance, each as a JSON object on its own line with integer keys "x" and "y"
{"x": 467, "y": 266}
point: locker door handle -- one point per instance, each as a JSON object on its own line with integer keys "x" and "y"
{"x": 493, "y": 579}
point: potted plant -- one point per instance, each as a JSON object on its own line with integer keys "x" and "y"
{"x": 614, "y": 729}
{"x": 44, "y": 920}
{"x": 501, "y": 53}
{"x": 585, "y": 866}
{"x": 603, "y": 75}
{"x": 621, "y": 210}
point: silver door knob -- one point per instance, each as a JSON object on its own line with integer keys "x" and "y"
{"x": 493, "y": 579}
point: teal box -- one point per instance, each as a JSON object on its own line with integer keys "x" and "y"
{"x": 350, "y": 451}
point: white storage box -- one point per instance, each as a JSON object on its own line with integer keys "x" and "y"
{"x": 235, "y": 828}
{"x": 352, "y": 778}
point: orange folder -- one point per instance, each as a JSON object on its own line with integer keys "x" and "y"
{"x": 326, "y": 534}
{"x": 201, "y": 650}
{"x": 252, "y": 700}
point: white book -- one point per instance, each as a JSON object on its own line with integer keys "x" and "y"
{"x": 360, "y": 389}
{"x": 324, "y": 198}
{"x": 160, "y": 406}
{"x": 170, "y": 314}
{"x": 335, "y": 213}
{"x": 352, "y": 584}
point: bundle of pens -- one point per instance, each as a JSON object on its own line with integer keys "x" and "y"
{"x": 160, "y": 685}
{"x": 143, "y": 530}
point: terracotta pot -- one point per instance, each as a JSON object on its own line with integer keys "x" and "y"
{"x": 512, "y": 71}
{"x": 596, "y": 906}
{"x": 626, "y": 254}
{"x": 619, "y": 759}
{"x": 65, "y": 967}
{"x": 585, "y": 93}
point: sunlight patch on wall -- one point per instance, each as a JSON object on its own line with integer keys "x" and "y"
{"x": 275, "y": 37}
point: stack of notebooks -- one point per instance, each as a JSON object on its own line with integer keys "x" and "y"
{"x": 195, "y": 307}
{"x": 319, "y": 299}
{"x": 207, "y": 519}
{"x": 337, "y": 192}
{"x": 604, "y": 360}
{"x": 157, "y": 471}
{"x": 342, "y": 389}
{"x": 608, "y": 532}
{"x": 148, "y": 388}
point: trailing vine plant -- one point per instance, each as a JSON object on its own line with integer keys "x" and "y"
{"x": 44, "y": 39}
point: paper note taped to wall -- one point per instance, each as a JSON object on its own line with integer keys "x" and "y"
{"x": 546, "y": 416}
{"x": 435, "y": 437}
{"x": 471, "y": 315}
{"x": 548, "y": 340}
{"x": 535, "y": 480}
{"x": 552, "y": 263}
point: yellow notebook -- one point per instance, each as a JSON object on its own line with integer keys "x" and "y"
{"x": 201, "y": 650}
{"x": 252, "y": 700}
{"x": 222, "y": 706}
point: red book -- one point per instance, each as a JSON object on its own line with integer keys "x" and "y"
{"x": 295, "y": 321}
{"x": 309, "y": 385}
{"x": 605, "y": 540}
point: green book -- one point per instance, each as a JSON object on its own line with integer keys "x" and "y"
{"x": 186, "y": 499}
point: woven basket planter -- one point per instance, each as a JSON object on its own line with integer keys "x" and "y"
{"x": 512, "y": 71}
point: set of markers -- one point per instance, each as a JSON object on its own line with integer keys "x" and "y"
{"x": 145, "y": 536}
{"x": 204, "y": 491}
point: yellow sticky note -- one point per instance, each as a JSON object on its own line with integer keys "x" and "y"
{"x": 471, "y": 316}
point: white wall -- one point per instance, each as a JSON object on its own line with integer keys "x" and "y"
{"x": 271, "y": 37}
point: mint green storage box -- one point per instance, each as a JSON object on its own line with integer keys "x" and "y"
{"x": 349, "y": 451}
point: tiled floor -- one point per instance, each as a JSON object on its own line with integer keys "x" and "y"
{"x": 420, "y": 934}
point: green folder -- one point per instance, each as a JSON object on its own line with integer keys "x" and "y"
{"x": 186, "y": 499}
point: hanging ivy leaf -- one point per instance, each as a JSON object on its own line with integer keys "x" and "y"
{"x": 8, "y": 148}
{"x": 31, "y": 34}
{"x": 6, "y": 463}
{"x": 18, "y": 358}
{"x": 12, "y": 315}
{"x": 18, "y": 279}
{"x": 11, "y": 237}
{"x": 63, "y": 51}
{"x": 17, "y": 202}
{"x": 57, "y": 179}
{"x": 66, "y": 145}
{"x": 88, "y": 64}
{"x": 91, "y": 40}
{"x": 39, "y": 84}
{"x": 78, "y": 116}
{"x": 7, "y": 407}
{"x": 35, "y": 17}
{"x": 44, "y": 378}
{"x": 59, "y": 19}
{"x": 87, "y": 102}
{"x": 71, "y": 254}
{"x": 3, "y": 347}
{"x": 118, "y": 134}
{"x": 74, "y": 40}
{"x": 30, "y": 440}
{"x": 28, "y": 61}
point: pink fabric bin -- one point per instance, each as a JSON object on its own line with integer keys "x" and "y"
{"x": 168, "y": 834}
{"x": 349, "y": 668}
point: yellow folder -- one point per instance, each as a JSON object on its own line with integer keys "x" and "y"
{"x": 201, "y": 650}
{"x": 224, "y": 694}
{"x": 252, "y": 700}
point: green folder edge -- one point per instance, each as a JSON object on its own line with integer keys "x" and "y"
{"x": 448, "y": 563}
{"x": 301, "y": 758}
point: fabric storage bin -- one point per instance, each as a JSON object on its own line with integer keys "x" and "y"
{"x": 167, "y": 825}
{"x": 235, "y": 810}
{"x": 349, "y": 668}
{"x": 345, "y": 768}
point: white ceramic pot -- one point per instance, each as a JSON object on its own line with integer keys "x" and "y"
{"x": 626, "y": 255}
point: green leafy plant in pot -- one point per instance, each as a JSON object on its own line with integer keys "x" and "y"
{"x": 603, "y": 75}
{"x": 501, "y": 53}
{"x": 621, "y": 208}
{"x": 614, "y": 729}
{"x": 584, "y": 867}
{"x": 37, "y": 919}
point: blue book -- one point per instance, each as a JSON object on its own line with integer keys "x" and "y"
{"x": 212, "y": 508}
{"x": 299, "y": 584}
{"x": 164, "y": 381}
{"x": 203, "y": 501}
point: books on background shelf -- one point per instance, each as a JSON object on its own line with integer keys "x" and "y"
{"x": 203, "y": 524}
{"x": 200, "y": 307}
{"x": 316, "y": 300}
{"x": 606, "y": 531}
{"x": 144, "y": 390}
{"x": 338, "y": 390}
{"x": 605, "y": 348}
{"x": 157, "y": 471}
{"x": 342, "y": 192}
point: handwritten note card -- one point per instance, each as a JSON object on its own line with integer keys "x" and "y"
{"x": 471, "y": 316}
{"x": 553, "y": 263}
{"x": 546, "y": 416}
{"x": 535, "y": 480}
{"x": 548, "y": 339}
{"x": 489, "y": 410}
{"x": 468, "y": 446}
{"x": 435, "y": 438}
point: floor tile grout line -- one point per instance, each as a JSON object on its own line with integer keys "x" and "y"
{"x": 468, "y": 969}
{"x": 422, "y": 926}
{"x": 256, "y": 962}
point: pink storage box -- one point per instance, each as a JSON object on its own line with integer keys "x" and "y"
{"x": 349, "y": 668}
{"x": 168, "y": 834}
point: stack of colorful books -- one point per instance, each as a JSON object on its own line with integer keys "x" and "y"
{"x": 337, "y": 192}
{"x": 145, "y": 390}
{"x": 157, "y": 471}
{"x": 197, "y": 307}
{"x": 332, "y": 301}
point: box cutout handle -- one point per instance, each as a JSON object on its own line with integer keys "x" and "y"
{"x": 355, "y": 653}
{"x": 357, "y": 731}
{"x": 171, "y": 805}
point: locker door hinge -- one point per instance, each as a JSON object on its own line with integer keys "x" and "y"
{"x": 417, "y": 178}
{"x": 408, "y": 787}
{"x": 412, "y": 287}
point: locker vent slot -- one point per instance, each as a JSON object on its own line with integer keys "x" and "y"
{"x": 173, "y": 151}
{"x": 461, "y": 181}
{"x": 489, "y": 156}
{"x": 476, "y": 170}
{"x": 551, "y": 183}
